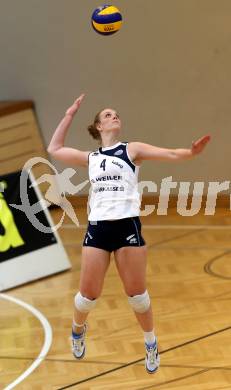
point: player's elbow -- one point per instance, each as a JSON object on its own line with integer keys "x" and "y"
{"x": 51, "y": 150}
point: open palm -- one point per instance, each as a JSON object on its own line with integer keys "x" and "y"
{"x": 75, "y": 106}
{"x": 199, "y": 145}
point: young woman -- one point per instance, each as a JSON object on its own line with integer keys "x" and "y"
{"x": 114, "y": 223}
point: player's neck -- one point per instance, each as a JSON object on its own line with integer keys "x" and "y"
{"x": 108, "y": 143}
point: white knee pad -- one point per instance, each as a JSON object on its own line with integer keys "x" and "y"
{"x": 140, "y": 303}
{"x": 83, "y": 304}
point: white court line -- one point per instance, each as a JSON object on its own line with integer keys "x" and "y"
{"x": 47, "y": 341}
{"x": 161, "y": 227}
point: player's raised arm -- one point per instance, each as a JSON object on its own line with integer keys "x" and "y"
{"x": 140, "y": 151}
{"x": 56, "y": 147}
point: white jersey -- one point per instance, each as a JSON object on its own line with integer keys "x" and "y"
{"x": 114, "y": 184}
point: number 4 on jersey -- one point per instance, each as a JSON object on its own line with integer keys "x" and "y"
{"x": 103, "y": 164}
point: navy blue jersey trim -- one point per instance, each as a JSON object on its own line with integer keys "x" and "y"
{"x": 123, "y": 155}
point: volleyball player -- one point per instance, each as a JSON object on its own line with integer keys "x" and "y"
{"x": 113, "y": 221}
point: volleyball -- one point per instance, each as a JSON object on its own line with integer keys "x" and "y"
{"x": 106, "y": 20}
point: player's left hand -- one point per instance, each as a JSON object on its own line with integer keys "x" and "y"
{"x": 199, "y": 145}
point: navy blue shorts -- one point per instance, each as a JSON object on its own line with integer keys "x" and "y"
{"x": 112, "y": 235}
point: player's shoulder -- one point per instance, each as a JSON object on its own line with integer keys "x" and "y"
{"x": 94, "y": 153}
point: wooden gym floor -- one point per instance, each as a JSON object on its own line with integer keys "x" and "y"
{"x": 188, "y": 279}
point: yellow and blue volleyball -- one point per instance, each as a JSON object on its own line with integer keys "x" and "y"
{"x": 106, "y": 19}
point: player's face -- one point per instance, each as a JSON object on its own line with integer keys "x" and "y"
{"x": 109, "y": 120}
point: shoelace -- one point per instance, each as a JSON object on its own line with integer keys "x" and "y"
{"x": 77, "y": 343}
{"x": 152, "y": 354}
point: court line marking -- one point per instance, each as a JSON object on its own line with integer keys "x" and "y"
{"x": 142, "y": 359}
{"x": 208, "y": 266}
{"x": 161, "y": 227}
{"x": 47, "y": 341}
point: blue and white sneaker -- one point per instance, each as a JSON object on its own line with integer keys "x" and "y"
{"x": 78, "y": 343}
{"x": 152, "y": 360}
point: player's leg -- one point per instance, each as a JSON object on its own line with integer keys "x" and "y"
{"x": 131, "y": 264}
{"x": 94, "y": 265}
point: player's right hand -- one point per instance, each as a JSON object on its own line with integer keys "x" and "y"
{"x": 75, "y": 106}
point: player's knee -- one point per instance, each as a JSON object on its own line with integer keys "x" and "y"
{"x": 140, "y": 303}
{"x": 84, "y": 304}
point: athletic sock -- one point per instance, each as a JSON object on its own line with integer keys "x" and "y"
{"x": 149, "y": 337}
{"x": 75, "y": 325}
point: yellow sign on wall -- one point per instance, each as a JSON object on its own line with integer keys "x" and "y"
{"x": 11, "y": 236}
{"x": 18, "y": 235}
